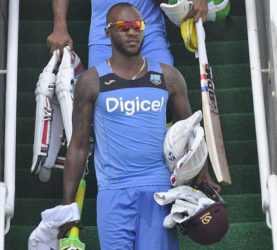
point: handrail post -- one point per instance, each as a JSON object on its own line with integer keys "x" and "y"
{"x": 272, "y": 186}
{"x": 2, "y": 213}
{"x": 10, "y": 113}
{"x": 258, "y": 99}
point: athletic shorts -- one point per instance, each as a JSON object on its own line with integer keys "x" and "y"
{"x": 130, "y": 218}
{"x": 99, "y": 53}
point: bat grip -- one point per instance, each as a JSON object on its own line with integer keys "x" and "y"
{"x": 74, "y": 231}
{"x": 203, "y": 59}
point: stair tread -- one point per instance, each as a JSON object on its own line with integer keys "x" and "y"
{"x": 238, "y": 152}
{"x": 53, "y": 189}
{"x": 251, "y": 235}
{"x": 229, "y": 101}
{"x": 36, "y": 31}
{"x": 234, "y": 126}
{"x": 37, "y": 55}
{"x": 226, "y": 76}
{"x": 240, "y": 208}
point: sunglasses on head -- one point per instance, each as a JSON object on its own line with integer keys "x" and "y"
{"x": 126, "y": 25}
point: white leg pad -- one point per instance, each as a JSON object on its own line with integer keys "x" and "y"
{"x": 44, "y": 113}
{"x": 70, "y": 69}
{"x": 55, "y": 134}
{"x": 64, "y": 90}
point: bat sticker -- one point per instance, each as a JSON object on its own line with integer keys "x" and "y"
{"x": 207, "y": 85}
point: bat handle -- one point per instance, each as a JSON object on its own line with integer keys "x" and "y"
{"x": 74, "y": 231}
{"x": 81, "y": 195}
{"x": 203, "y": 59}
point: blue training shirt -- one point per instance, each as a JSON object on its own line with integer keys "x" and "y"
{"x": 130, "y": 125}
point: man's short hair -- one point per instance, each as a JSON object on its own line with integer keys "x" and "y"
{"x": 123, "y": 4}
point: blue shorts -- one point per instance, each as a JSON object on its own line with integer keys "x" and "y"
{"x": 129, "y": 219}
{"x": 99, "y": 53}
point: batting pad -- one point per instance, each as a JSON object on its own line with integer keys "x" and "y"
{"x": 55, "y": 140}
{"x": 44, "y": 112}
{"x": 65, "y": 87}
{"x": 175, "y": 143}
{"x": 192, "y": 162}
{"x": 54, "y": 109}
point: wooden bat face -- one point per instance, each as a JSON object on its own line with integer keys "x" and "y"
{"x": 212, "y": 126}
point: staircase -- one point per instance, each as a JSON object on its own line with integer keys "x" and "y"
{"x": 230, "y": 62}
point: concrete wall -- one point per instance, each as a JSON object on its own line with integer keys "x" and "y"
{"x": 3, "y": 21}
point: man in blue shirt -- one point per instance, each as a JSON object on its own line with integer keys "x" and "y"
{"x": 126, "y": 96}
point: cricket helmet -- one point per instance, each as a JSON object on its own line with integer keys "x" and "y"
{"x": 209, "y": 225}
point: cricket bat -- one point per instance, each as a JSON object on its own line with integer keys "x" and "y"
{"x": 210, "y": 112}
{"x": 72, "y": 242}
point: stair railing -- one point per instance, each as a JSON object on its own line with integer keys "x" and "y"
{"x": 7, "y": 188}
{"x": 268, "y": 179}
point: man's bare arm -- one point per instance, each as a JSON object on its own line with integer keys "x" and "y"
{"x": 85, "y": 94}
{"x": 59, "y": 37}
{"x": 178, "y": 102}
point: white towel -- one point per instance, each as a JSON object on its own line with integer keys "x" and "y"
{"x": 181, "y": 192}
{"x": 186, "y": 203}
{"x": 44, "y": 237}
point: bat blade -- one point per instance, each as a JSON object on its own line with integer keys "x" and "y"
{"x": 212, "y": 126}
{"x": 210, "y": 112}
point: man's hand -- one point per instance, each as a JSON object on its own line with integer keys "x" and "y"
{"x": 204, "y": 176}
{"x": 58, "y": 39}
{"x": 199, "y": 9}
{"x": 64, "y": 228}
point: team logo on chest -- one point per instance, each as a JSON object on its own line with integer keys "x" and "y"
{"x": 155, "y": 79}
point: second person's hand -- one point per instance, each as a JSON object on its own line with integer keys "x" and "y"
{"x": 58, "y": 39}
{"x": 199, "y": 9}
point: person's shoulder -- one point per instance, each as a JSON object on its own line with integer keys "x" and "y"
{"x": 169, "y": 72}
{"x": 89, "y": 76}
{"x": 88, "y": 82}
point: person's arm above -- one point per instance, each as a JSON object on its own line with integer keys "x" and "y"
{"x": 179, "y": 106}
{"x": 199, "y": 9}
{"x": 59, "y": 37}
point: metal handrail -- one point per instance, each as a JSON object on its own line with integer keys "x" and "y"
{"x": 10, "y": 112}
{"x": 268, "y": 181}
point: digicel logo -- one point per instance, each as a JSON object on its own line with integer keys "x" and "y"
{"x": 129, "y": 107}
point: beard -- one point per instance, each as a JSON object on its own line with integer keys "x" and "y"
{"x": 123, "y": 50}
